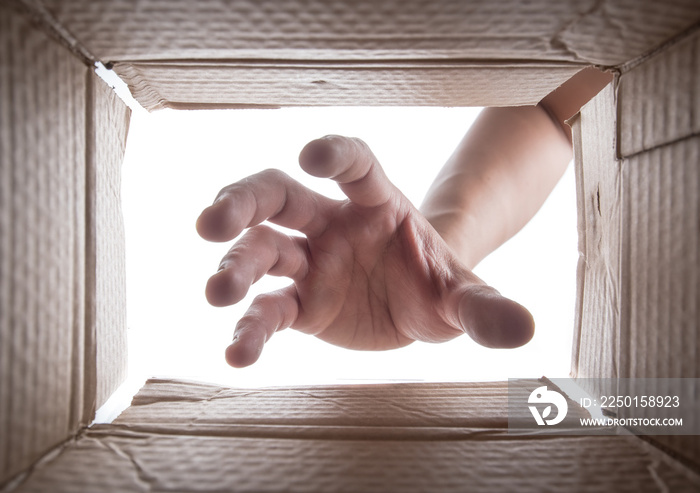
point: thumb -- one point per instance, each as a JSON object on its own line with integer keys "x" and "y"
{"x": 351, "y": 163}
{"x": 493, "y": 320}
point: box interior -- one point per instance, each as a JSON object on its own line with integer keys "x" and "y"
{"x": 61, "y": 296}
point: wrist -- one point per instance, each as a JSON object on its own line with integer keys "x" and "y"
{"x": 458, "y": 232}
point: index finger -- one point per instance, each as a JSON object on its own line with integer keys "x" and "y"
{"x": 351, "y": 163}
{"x": 269, "y": 195}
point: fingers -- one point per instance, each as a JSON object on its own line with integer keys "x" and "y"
{"x": 491, "y": 319}
{"x": 262, "y": 250}
{"x": 270, "y": 194}
{"x": 267, "y": 314}
{"x": 352, "y": 164}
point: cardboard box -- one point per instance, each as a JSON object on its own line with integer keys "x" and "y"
{"x": 61, "y": 242}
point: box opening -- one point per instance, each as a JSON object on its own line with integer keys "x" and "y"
{"x": 175, "y": 163}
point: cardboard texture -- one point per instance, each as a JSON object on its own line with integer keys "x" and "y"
{"x": 63, "y": 133}
{"x": 42, "y": 241}
{"x": 596, "y": 345}
{"x": 344, "y": 52}
{"x": 639, "y": 210}
{"x": 395, "y": 437}
{"x": 51, "y": 378}
{"x": 106, "y": 282}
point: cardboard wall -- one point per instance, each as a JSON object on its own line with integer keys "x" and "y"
{"x": 61, "y": 250}
{"x": 106, "y": 269}
{"x": 639, "y": 217}
{"x": 179, "y": 436}
{"x": 346, "y": 52}
{"x": 49, "y": 370}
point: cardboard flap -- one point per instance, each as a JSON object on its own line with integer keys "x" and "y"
{"x": 188, "y": 456}
{"x": 359, "y": 30}
{"x": 606, "y": 33}
{"x": 375, "y": 405}
{"x": 209, "y": 54}
{"x": 105, "y": 258}
{"x": 201, "y": 85}
{"x": 598, "y": 184}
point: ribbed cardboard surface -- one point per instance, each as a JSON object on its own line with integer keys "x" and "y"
{"x": 60, "y": 236}
{"x": 63, "y": 347}
{"x": 608, "y": 33}
{"x": 192, "y": 85}
{"x": 660, "y": 115}
{"x": 596, "y": 344}
{"x": 105, "y": 281}
{"x": 42, "y": 242}
{"x": 344, "y": 52}
{"x": 191, "y": 456}
{"x": 638, "y": 316}
{"x": 660, "y": 100}
{"x": 467, "y": 405}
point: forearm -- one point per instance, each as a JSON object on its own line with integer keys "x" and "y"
{"x": 504, "y": 169}
{"x": 497, "y": 178}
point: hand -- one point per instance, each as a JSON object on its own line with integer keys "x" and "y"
{"x": 370, "y": 273}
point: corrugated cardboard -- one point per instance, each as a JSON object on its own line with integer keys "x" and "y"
{"x": 105, "y": 281}
{"x": 401, "y": 437}
{"x": 42, "y": 243}
{"x": 345, "y": 52}
{"x": 61, "y": 245}
{"x": 596, "y": 344}
{"x": 639, "y": 211}
{"x": 55, "y": 127}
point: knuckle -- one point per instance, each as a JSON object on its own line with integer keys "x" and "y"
{"x": 259, "y": 233}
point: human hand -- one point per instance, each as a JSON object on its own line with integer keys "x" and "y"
{"x": 370, "y": 273}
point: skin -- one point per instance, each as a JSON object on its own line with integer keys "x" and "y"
{"x": 372, "y": 272}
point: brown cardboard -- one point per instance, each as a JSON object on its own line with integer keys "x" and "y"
{"x": 659, "y": 99}
{"x": 639, "y": 210}
{"x": 42, "y": 243}
{"x": 596, "y": 345}
{"x": 343, "y": 52}
{"x": 241, "y": 84}
{"x": 105, "y": 281}
{"x": 327, "y": 410}
{"x": 394, "y": 437}
{"x": 63, "y": 348}
{"x": 61, "y": 246}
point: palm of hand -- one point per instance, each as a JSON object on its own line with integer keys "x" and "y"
{"x": 375, "y": 280}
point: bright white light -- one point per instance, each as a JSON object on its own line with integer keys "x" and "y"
{"x": 177, "y": 161}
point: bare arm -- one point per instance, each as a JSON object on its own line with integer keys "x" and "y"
{"x": 504, "y": 169}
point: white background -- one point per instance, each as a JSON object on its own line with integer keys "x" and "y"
{"x": 176, "y": 162}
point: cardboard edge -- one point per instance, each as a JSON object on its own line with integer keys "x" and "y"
{"x": 153, "y": 94}
{"x": 105, "y": 370}
{"x": 45, "y": 20}
{"x": 575, "y": 123}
